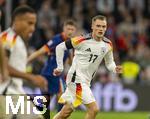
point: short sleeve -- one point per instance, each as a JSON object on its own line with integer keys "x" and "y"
{"x": 8, "y": 40}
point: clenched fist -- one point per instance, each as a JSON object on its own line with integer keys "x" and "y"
{"x": 57, "y": 72}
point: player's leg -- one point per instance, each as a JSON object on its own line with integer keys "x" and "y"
{"x": 92, "y": 110}
{"x": 59, "y": 106}
{"x": 66, "y": 98}
{"x": 89, "y": 100}
{"x": 47, "y": 95}
{"x": 65, "y": 112}
{"x": 62, "y": 87}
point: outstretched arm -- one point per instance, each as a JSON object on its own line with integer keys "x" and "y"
{"x": 110, "y": 64}
{"x": 38, "y": 53}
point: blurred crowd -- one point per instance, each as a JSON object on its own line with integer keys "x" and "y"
{"x": 128, "y": 29}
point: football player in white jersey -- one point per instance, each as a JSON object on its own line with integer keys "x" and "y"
{"x": 14, "y": 41}
{"x": 89, "y": 52}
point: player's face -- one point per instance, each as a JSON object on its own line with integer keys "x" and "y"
{"x": 69, "y": 30}
{"x": 25, "y": 25}
{"x": 99, "y": 28}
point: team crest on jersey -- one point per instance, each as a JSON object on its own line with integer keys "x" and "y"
{"x": 103, "y": 49}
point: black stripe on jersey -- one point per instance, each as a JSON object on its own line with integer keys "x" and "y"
{"x": 93, "y": 74}
{"x": 106, "y": 40}
{"x": 6, "y": 88}
{"x": 73, "y": 77}
{"x": 8, "y": 53}
{"x": 88, "y": 38}
{"x": 68, "y": 44}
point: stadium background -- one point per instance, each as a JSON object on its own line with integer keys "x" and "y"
{"x": 128, "y": 29}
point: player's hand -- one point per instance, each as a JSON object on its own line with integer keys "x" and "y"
{"x": 119, "y": 69}
{"x": 57, "y": 72}
{"x": 39, "y": 81}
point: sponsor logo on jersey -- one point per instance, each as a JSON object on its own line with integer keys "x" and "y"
{"x": 88, "y": 50}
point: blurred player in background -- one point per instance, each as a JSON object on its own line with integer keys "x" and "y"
{"x": 14, "y": 41}
{"x": 89, "y": 52}
{"x": 56, "y": 84}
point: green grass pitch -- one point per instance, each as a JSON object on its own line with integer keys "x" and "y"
{"x": 111, "y": 115}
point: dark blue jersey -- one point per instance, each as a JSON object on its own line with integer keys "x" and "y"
{"x": 51, "y": 64}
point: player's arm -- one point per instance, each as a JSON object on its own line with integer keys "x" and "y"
{"x": 3, "y": 65}
{"x": 45, "y": 49}
{"x": 60, "y": 49}
{"x": 75, "y": 43}
{"x": 70, "y": 58}
{"x": 38, "y": 53}
{"x": 37, "y": 80}
{"x": 110, "y": 63}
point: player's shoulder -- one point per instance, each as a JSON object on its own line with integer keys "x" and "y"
{"x": 56, "y": 37}
{"x": 86, "y": 36}
{"x": 9, "y": 35}
{"x": 107, "y": 41}
{"x": 82, "y": 37}
{"x": 54, "y": 40}
{"x": 5, "y": 33}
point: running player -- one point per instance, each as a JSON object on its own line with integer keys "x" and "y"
{"x": 14, "y": 41}
{"x": 56, "y": 84}
{"x": 89, "y": 52}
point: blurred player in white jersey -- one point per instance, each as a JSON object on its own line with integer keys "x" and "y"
{"x": 14, "y": 41}
{"x": 89, "y": 52}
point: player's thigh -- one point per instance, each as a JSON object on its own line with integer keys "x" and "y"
{"x": 76, "y": 94}
{"x": 87, "y": 95}
{"x": 66, "y": 97}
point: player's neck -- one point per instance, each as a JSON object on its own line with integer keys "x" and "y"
{"x": 97, "y": 38}
{"x": 15, "y": 30}
{"x": 18, "y": 33}
{"x": 64, "y": 36}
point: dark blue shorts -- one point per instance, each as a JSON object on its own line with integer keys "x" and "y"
{"x": 55, "y": 84}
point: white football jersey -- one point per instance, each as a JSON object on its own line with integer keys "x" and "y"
{"x": 18, "y": 56}
{"x": 87, "y": 58}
